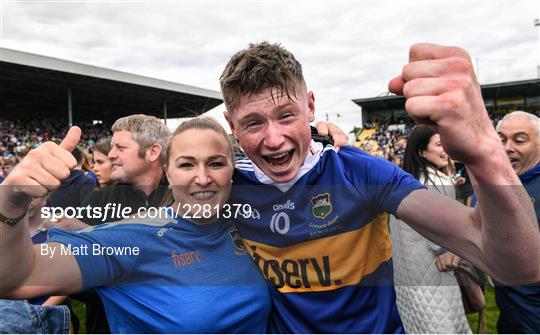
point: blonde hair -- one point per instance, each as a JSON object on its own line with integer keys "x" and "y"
{"x": 86, "y": 159}
{"x": 200, "y": 122}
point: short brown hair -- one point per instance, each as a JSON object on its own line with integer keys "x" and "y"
{"x": 260, "y": 66}
{"x": 146, "y": 130}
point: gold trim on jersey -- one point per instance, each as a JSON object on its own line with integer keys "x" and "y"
{"x": 326, "y": 263}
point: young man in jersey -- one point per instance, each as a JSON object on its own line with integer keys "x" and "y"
{"x": 318, "y": 230}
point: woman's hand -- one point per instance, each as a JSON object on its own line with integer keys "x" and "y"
{"x": 447, "y": 262}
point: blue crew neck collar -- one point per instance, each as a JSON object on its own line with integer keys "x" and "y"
{"x": 529, "y": 174}
{"x": 186, "y": 225}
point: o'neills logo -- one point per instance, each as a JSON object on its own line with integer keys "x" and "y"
{"x": 186, "y": 258}
{"x": 321, "y": 205}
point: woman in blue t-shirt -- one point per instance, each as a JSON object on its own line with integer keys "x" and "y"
{"x": 185, "y": 271}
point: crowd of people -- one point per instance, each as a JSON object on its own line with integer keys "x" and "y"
{"x": 388, "y": 137}
{"x": 20, "y": 134}
{"x": 308, "y": 248}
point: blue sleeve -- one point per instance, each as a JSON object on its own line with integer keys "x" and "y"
{"x": 93, "y": 178}
{"x": 474, "y": 200}
{"x": 101, "y": 267}
{"x": 387, "y": 185}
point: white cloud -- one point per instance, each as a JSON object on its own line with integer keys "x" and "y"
{"x": 349, "y": 49}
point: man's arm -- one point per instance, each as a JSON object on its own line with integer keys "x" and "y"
{"x": 459, "y": 229}
{"x": 325, "y": 128}
{"x": 501, "y": 234}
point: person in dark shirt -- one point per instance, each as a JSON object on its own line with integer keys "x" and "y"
{"x": 520, "y": 134}
{"x": 137, "y": 148}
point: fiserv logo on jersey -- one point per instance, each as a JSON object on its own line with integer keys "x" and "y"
{"x": 296, "y": 273}
{"x": 324, "y": 263}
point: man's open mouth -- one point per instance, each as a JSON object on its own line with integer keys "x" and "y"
{"x": 280, "y": 161}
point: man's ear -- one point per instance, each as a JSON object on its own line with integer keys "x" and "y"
{"x": 229, "y": 121}
{"x": 153, "y": 152}
{"x": 311, "y": 106}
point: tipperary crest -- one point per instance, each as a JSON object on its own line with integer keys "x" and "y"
{"x": 239, "y": 247}
{"x": 321, "y": 205}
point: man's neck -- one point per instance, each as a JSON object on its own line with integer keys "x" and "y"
{"x": 149, "y": 181}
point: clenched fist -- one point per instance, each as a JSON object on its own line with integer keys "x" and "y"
{"x": 442, "y": 91}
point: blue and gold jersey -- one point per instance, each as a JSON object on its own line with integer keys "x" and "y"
{"x": 322, "y": 241}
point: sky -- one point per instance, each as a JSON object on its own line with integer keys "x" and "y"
{"x": 348, "y": 49}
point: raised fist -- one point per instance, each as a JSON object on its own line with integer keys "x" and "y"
{"x": 442, "y": 91}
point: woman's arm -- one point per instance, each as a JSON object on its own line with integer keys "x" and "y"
{"x": 27, "y": 270}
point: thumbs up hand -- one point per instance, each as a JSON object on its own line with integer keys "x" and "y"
{"x": 39, "y": 173}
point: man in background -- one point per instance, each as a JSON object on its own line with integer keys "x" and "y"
{"x": 520, "y": 135}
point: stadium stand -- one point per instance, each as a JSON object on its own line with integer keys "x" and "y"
{"x": 386, "y": 123}
{"x": 40, "y": 97}
{"x": 387, "y": 138}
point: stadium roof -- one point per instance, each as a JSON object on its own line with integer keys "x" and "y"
{"x": 505, "y": 90}
{"x": 382, "y": 102}
{"x": 522, "y": 88}
{"x": 43, "y": 86}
